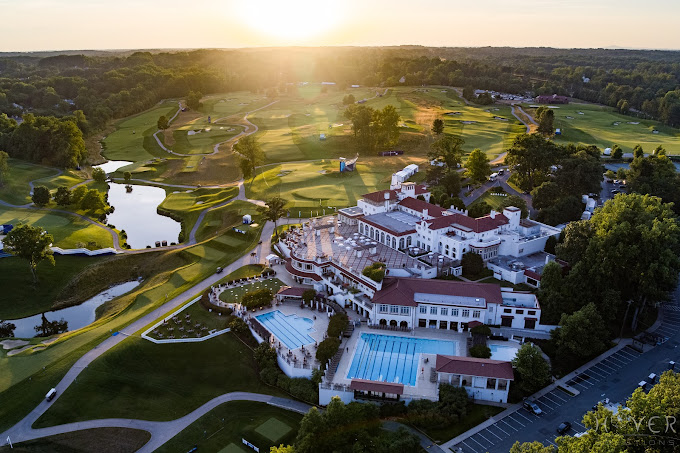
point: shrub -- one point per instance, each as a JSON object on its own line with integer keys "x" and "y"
{"x": 205, "y": 303}
{"x": 41, "y": 196}
{"x": 238, "y": 326}
{"x": 375, "y": 271}
{"x": 480, "y": 351}
{"x": 337, "y": 325}
{"x": 481, "y": 330}
{"x": 270, "y": 375}
{"x": 326, "y": 350}
{"x": 283, "y": 382}
{"x": 98, "y": 174}
{"x": 472, "y": 263}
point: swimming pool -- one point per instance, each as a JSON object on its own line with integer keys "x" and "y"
{"x": 502, "y": 352}
{"x": 291, "y": 330}
{"x": 389, "y": 358}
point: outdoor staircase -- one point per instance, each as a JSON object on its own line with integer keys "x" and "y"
{"x": 348, "y": 331}
{"x": 333, "y": 367}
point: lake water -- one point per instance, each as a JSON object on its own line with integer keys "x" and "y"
{"x": 112, "y": 165}
{"x": 136, "y": 214}
{"x": 77, "y": 316}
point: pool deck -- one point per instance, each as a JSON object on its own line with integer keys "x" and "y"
{"x": 423, "y": 388}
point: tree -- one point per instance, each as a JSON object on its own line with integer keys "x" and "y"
{"x": 31, "y": 244}
{"x": 469, "y": 93}
{"x": 308, "y": 295}
{"x": 375, "y": 271}
{"x": 41, "y": 196}
{"x": 127, "y": 176}
{"x": 251, "y": 154}
{"x": 552, "y": 293}
{"x": 4, "y": 167}
{"x": 93, "y": 200}
{"x": 477, "y": 166}
{"x": 162, "y": 123}
{"x": 531, "y": 447}
{"x": 438, "y": 126}
{"x": 387, "y": 124}
{"x": 581, "y": 335}
{"x": 472, "y": 263}
{"x": 545, "y": 122}
{"x": 273, "y": 210}
{"x": 77, "y": 194}
{"x": 654, "y": 175}
{"x": 348, "y": 99}
{"x": 617, "y": 152}
{"x": 194, "y": 100}
{"x": 48, "y": 328}
{"x": 448, "y": 150}
{"x": 579, "y": 173}
{"x": 457, "y": 203}
{"x": 479, "y": 209}
{"x": 550, "y": 244}
{"x": 531, "y": 157}
{"x": 98, "y": 174}
{"x": 282, "y": 449}
{"x": 63, "y": 196}
{"x": 326, "y": 350}
{"x": 362, "y": 117}
{"x": 480, "y": 351}
{"x": 6, "y": 329}
{"x": 450, "y": 183}
{"x": 516, "y": 201}
{"x": 638, "y": 152}
{"x": 533, "y": 370}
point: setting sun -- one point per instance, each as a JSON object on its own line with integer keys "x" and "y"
{"x": 294, "y": 20}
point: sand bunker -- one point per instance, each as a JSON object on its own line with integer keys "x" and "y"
{"x": 11, "y": 344}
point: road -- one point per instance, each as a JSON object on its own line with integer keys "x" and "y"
{"x": 615, "y": 376}
{"x": 500, "y": 181}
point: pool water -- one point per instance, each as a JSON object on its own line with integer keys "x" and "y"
{"x": 502, "y": 352}
{"x": 389, "y": 358}
{"x": 292, "y": 330}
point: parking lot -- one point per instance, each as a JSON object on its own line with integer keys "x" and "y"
{"x": 615, "y": 377}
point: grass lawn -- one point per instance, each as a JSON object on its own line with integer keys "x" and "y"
{"x": 203, "y": 141}
{"x": 602, "y": 126}
{"x": 133, "y": 140}
{"x": 313, "y": 186}
{"x": 476, "y": 414}
{"x": 29, "y": 299}
{"x": 16, "y": 189}
{"x": 140, "y": 379}
{"x": 102, "y": 440}
{"x": 251, "y": 270}
{"x": 228, "y": 423}
{"x": 234, "y": 295}
{"x": 197, "y": 315}
{"x": 188, "y": 205}
{"x": 68, "y": 231}
{"x": 491, "y": 199}
{"x": 223, "y": 220}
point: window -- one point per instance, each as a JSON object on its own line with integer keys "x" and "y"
{"x": 507, "y": 310}
{"x": 502, "y": 384}
{"x": 423, "y": 309}
{"x": 433, "y": 310}
{"x": 394, "y": 308}
{"x": 520, "y": 312}
{"x": 454, "y": 312}
{"x": 405, "y": 310}
{"x": 532, "y": 312}
{"x": 383, "y": 308}
{"x": 466, "y": 313}
{"x": 444, "y": 311}
{"x": 308, "y": 267}
{"x": 476, "y": 313}
{"x": 422, "y": 323}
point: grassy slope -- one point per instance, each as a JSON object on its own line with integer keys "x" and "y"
{"x": 189, "y": 204}
{"x": 16, "y": 189}
{"x": 102, "y": 440}
{"x": 140, "y": 379}
{"x": 476, "y": 414}
{"x": 234, "y": 295}
{"x": 229, "y": 423}
{"x": 596, "y": 127}
{"x": 28, "y": 299}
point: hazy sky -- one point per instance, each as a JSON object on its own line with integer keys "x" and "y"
{"x": 126, "y": 24}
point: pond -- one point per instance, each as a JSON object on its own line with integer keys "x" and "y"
{"x": 113, "y": 165}
{"x": 136, "y": 214}
{"x": 77, "y": 316}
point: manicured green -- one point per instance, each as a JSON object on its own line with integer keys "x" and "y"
{"x": 234, "y": 295}
{"x": 140, "y": 379}
{"x": 28, "y": 299}
{"x": 603, "y": 127}
{"x": 188, "y": 205}
{"x": 16, "y": 189}
{"x": 68, "y": 231}
{"x": 228, "y": 423}
{"x": 102, "y": 440}
{"x": 491, "y": 199}
{"x": 204, "y": 138}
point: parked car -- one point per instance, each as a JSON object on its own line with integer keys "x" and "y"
{"x": 563, "y": 428}
{"x": 532, "y": 407}
{"x": 500, "y": 172}
{"x": 219, "y": 270}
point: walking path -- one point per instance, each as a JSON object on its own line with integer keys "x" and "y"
{"x": 512, "y": 109}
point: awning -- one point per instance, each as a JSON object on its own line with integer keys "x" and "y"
{"x": 507, "y": 316}
{"x": 375, "y": 386}
{"x": 272, "y": 257}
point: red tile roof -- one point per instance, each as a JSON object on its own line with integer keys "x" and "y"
{"x": 420, "y": 205}
{"x": 532, "y": 274}
{"x": 374, "y": 386}
{"x": 379, "y": 196}
{"x": 421, "y": 189}
{"x": 299, "y": 273}
{"x": 479, "y": 225}
{"x": 401, "y": 291}
{"x": 471, "y": 366}
{"x": 291, "y": 292}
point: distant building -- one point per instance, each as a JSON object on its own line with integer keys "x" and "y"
{"x": 554, "y": 99}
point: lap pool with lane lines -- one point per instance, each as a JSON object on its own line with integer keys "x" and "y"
{"x": 389, "y": 358}
{"x": 292, "y": 330}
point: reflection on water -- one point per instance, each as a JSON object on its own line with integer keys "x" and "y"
{"x": 112, "y": 165}
{"x": 136, "y": 214}
{"x": 77, "y": 316}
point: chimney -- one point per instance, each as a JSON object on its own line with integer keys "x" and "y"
{"x": 492, "y": 214}
{"x": 425, "y": 211}
{"x": 387, "y": 195}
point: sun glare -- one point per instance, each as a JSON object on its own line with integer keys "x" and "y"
{"x": 292, "y": 20}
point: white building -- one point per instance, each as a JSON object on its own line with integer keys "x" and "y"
{"x": 402, "y": 176}
{"x": 483, "y": 379}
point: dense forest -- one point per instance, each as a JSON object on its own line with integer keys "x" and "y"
{"x": 96, "y": 87}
